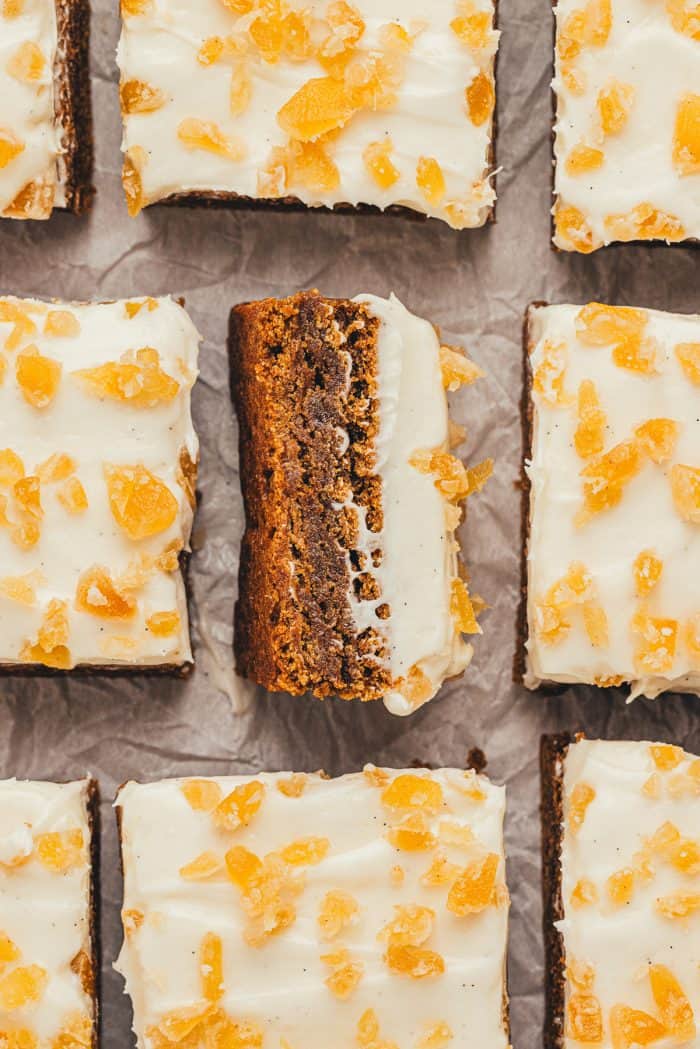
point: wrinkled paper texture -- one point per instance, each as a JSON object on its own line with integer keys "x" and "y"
{"x": 476, "y": 286}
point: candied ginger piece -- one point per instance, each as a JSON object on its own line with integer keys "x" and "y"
{"x": 686, "y": 136}
{"x": 344, "y": 980}
{"x": 136, "y": 379}
{"x": 481, "y": 99}
{"x": 22, "y": 986}
{"x": 239, "y": 807}
{"x": 412, "y": 834}
{"x": 606, "y": 477}
{"x": 411, "y": 927}
{"x": 60, "y": 851}
{"x": 56, "y": 468}
{"x": 581, "y": 797}
{"x": 137, "y": 96}
{"x": 243, "y": 866}
{"x": 583, "y": 893}
{"x": 38, "y": 377}
{"x": 409, "y": 792}
{"x": 672, "y": 1003}
{"x": 575, "y": 587}
{"x": 595, "y": 622}
{"x": 98, "y": 595}
{"x": 473, "y": 890}
{"x": 22, "y": 588}
{"x": 416, "y": 962}
{"x": 550, "y": 374}
{"x": 589, "y": 438}
{"x": 377, "y": 160}
{"x": 305, "y": 851}
{"x": 658, "y": 438}
{"x": 614, "y": 104}
{"x": 647, "y": 572}
{"x": 551, "y": 623}
{"x": 9, "y": 951}
{"x": 583, "y": 159}
{"x": 462, "y": 609}
{"x": 685, "y": 489}
{"x": 11, "y": 467}
{"x": 204, "y": 867}
{"x": 633, "y": 1027}
{"x": 52, "y": 639}
{"x": 431, "y": 180}
{"x": 472, "y": 27}
{"x": 308, "y": 164}
{"x": 134, "y": 162}
{"x": 656, "y": 649}
{"x": 141, "y": 504}
{"x": 163, "y": 624}
{"x": 208, "y": 136}
{"x": 620, "y": 886}
{"x": 211, "y": 967}
{"x": 72, "y": 496}
{"x": 27, "y": 63}
{"x": 457, "y": 370}
{"x": 135, "y": 7}
{"x": 240, "y": 88}
{"x": 437, "y": 1036}
{"x": 10, "y": 147}
{"x": 320, "y": 105}
{"x": 338, "y": 910}
{"x": 572, "y": 231}
{"x": 22, "y": 324}
{"x": 666, "y": 756}
{"x": 645, "y": 222}
{"x": 584, "y": 1018}
{"x": 678, "y": 904}
{"x": 688, "y": 354}
{"x": 598, "y": 324}
{"x": 293, "y": 786}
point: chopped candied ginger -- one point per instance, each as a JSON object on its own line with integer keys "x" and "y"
{"x": 437, "y": 1036}
{"x": 38, "y": 377}
{"x": 685, "y": 489}
{"x": 309, "y": 164}
{"x": 22, "y": 986}
{"x": 472, "y": 27}
{"x": 481, "y": 99}
{"x": 678, "y": 904}
{"x": 647, "y": 572}
{"x": 368, "y": 1033}
{"x": 202, "y": 795}
{"x": 550, "y": 374}
{"x": 141, "y": 504}
{"x": 22, "y": 588}
{"x": 614, "y": 104}
{"x": 606, "y": 477}
{"x": 27, "y": 63}
{"x": 60, "y": 851}
{"x": 305, "y": 852}
{"x": 135, "y": 7}
{"x": 688, "y": 354}
{"x": 686, "y": 135}
{"x": 268, "y": 888}
{"x": 338, "y": 910}
{"x": 583, "y": 893}
{"x": 320, "y": 105}
{"x": 440, "y": 872}
{"x": 572, "y": 231}
{"x": 416, "y": 962}
{"x": 98, "y": 595}
{"x": 202, "y": 868}
{"x": 431, "y": 180}
{"x": 473, "y": 889}
{"x": 378, "y": 162}
{"x": 211, "y": 967}
{"x": 50, "y": 647}
{"x": 10, "y": 147}
{"x": 595, "y": 622}
{"x": 413, "y": 834}
{"x": 589, "y": 438}
{"x": 666, "y": 756}
{"x": 462, "y": 609}
{"x": 72, "y": 496}
{"x": 630, "y": 1028}
{"x": 583, "y": 159}
{"x": 412, "y": 926}
{"x": 598, "y": 324}
{"x": 645, "y": 222}
{"x": 23, "y": 326}
{"x": 581, "y": 797}
{"x": 656, "y": 648}
{"x": 134, "y": 162}
{"x": 240, "y": 89}
{"x": 9, "y": 951}
{"x": 137, "y": 96}
{"x": 584, "y": 1018}
{"x": 456, "y": 368}
{"x": 239, "y": 807}
{"x": 293, "y": 786}
{"x": 551, "y": 623}
{"x": 137, "y": 379}
{"x": 207, "y": 136}
{"x": 452, "y": 478}
{"x": 163, "y": 624}
{"x": 575, "y": 587}
{"x": 56, "y": 468}
{"x": 581, "y": 975}
{"x": 411, "y": 793}
{"x": 346, "y": 974}
{"x": 672, "y": 1003}
{"x": 11, "y": 467}
{"x": 620, "y": 886}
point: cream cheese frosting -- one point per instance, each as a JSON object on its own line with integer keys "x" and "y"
{"x": 321, "y": 910}
{"x": 95, "y": 424}
{"x": 420, "y": 554}
{"x": 382, "y": 103}
{"x": 30, "y": 135}
{"x": 45, "y": 901}
{"x": 627, "y": 77}
{"x": 612, "y": 594}
{"x": 630, "y": 891}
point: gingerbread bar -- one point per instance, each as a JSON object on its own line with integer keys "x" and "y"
{"x": 97, "y": 470}
{"x": 49, "y": 976}
{"x": 612, "y": 521}
{"x": 627, "y": 123}
{"x": 350, "y": 581}
{"x": 285, "y": 907}
{"x": 621, "y": 860}
{"x": 355, "y": 106}
{"x": 46, "y": 124}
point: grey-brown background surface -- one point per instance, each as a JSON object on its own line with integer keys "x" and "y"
{"x": 474, "y": 284}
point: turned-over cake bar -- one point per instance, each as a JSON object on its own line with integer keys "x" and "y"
{"x": 49, "y": 958}
{"x": 627, "y": 127}
{"x": 376, "y": 104}
{"x": 294, "y": 910}
{"x": 612, "y": 515}
{"x": 621, "y": 865}
{"x": 97, "y": 471}
{"x": 350, "y": 580}
{"x": 45, "y": 121}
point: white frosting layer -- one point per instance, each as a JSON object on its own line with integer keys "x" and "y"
{"x": 645, "y": 518}
{"x": 280, "y": 986}
{"x": 420, "y": 558}
{"x": 429, "y": 119}
{"x": 661, "y": 65}
{"x": 95, "y": 430}
{"x": 28, "y": 105}
{"x": 46, "y": 913}
{"x": 620, "y": 942}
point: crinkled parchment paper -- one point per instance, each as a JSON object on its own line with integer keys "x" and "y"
{"x": 475, "y": 285}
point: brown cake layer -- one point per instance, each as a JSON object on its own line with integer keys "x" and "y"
{"x": 73, "y": 104}
{"x": 526, "y": 421}
{"x": 92, "y": 975}
{"x": 303, "y": 374}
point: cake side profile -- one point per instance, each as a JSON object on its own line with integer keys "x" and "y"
{"x": 350, "y": 582}
{"x": 46, "y": 133}
{"x": 627, "y": 123}
{"x": 97, "y": 471}
{"x": 620, "y": 863}
{"x": 50, "y": 970}
{"x": 611, "y": 539}
{"x": 282, "y": 907}
{"x": 385, "y": 105}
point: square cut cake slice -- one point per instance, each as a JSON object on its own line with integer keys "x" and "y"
{"x": 49, "y": 977}
{"x": 627, "y": 122}
{"x": 369, "y": 105}
{"x": 97, "y": 471}
{"x": 621, "y": 864}
{"x": 277, "y": 909}
{"x": 45, "y": 122}
{"x": 350, "y": 580}
{"x": 612, "y": 514}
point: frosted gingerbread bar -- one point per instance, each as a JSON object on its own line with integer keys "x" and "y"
{"x": 374, "y": 105}
{"x": 627, "y": 123}
{"x": 621, "y": 865}
{"x": 612, "y": 500}
{"x": 97, "y": 471}
{"x": 49, "y": 976}
{"x": 45, "y": 122}
{"x": 350, "y": 581}
{"x": 285, "y": 907}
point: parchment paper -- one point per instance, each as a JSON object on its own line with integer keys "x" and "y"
{"x": 475, "y": 285}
